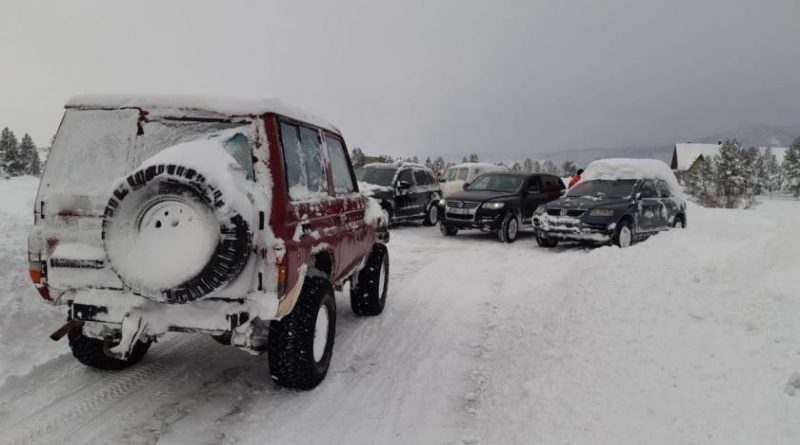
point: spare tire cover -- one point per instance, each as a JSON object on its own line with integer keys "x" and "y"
{"x": 166, "y": 239}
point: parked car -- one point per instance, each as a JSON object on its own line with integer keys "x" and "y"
{"x": 617, "y": 201}
{"x": 235, "y": 219}
{"x": 454, "y": 178}
{"x": 405, "y": 190}
{"x": 499, "y": 202}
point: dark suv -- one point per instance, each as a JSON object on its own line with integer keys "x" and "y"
{"x": 229, "y": 218}
{"x": 499, "y": 202}
{"x": 405, "y": 190}
{"x": 602, "y": 211}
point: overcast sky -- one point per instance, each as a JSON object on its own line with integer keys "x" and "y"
{"x": 424, "y": 77}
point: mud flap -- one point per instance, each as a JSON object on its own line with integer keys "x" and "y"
{"x": 132, "y": 329}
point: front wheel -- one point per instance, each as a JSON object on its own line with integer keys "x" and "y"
{"x": 432, "y": 216}
{"x": 368, "y": 294}
{"x": 447, "y": 230}
{"x": 300, "y": 345}
{"x": 679, "y": 223}
{"x": 623, "y": 236}
{"x": 546, "y": 242}
{"x": 509, "y": 229}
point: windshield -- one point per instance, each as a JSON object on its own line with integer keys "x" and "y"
{"x": 603, "y": 189}
{"x": 377, "y": 176}
{"x": 497, "y": 183}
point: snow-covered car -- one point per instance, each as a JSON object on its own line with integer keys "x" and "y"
{"x": 405, "y": 190}
{"x": 235, "y": 219}
{"x": 617, "y": 201}
{"x": 454, "y": 178}
{"x": 499, "y": 202}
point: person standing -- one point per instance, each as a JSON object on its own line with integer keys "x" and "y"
{"x": 575, "y": 179}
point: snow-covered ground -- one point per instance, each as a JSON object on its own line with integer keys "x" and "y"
{"x": 689, "y": 337}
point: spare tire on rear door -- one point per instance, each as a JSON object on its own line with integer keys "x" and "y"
{"x": 166, "y": 237}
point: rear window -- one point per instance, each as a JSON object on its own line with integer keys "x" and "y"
{"x": 93, "y": 148}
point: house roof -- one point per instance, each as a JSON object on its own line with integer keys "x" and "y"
{"x": 685, "y": 155}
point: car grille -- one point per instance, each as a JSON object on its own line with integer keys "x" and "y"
{"x": 572, "y": 213}
{"x": 462, "y": 204}
{"x": 449, "y": 215}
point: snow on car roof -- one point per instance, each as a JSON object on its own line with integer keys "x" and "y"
{"x": 478, "y": 164}
{"x": 396, "y": 164}
{"x": 180, "y": 104}
{"x": 623, "y": 168}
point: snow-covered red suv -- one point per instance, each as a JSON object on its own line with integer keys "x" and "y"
{"x": 235, "y": 219}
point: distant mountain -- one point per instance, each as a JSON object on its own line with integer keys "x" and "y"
{"x": 758, "y": 136}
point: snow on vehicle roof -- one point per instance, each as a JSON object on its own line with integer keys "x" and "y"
{"x": 478, "y": 164}
{"x": 396, "y": 164}
{"x": 181, "y": 104}
{"x": 623, "y": 168}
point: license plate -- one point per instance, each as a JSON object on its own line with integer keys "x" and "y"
{"x": 459, "y": 211}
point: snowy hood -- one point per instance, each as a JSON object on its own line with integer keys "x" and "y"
{"x": 481, "y": 196}
{"x": 587, "y": 203}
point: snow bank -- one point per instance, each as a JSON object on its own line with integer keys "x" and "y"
{"x": 622, "y": 168}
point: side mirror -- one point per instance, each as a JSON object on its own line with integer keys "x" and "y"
{"x": 442, "y": 180}
{"x": 562, "y": 192}
{"x": 403, "y": 185}
{"x": 464, "y": 187}
{"x": 638, "y": 195}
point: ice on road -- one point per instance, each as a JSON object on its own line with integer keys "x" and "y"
{"x": 688, "y": 337}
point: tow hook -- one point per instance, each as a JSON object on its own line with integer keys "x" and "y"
{"x": 64, "y": 330}
{"x": 132, "y": 329}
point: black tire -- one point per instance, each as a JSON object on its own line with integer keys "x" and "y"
{"x": 679, "y": 223}
{"x": 290, "y": 346}
{"x": 127, "y": 217}
{"x": 368, "y": 296}
{"x": 546, "y": 242}
{"x": 432, "y": 215}
{"x": 447, "y": 230}
{"x": 620, "y": 241}
{"x": 89, "y": 351}
{"x": 509, "y": 229}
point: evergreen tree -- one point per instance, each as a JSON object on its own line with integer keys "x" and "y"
{"x": 473, "y": 158}
{"x": 731, "y": 166}
{"x": 791, "y": 168}
{"x": 537, "y": 167}
{"x": 528, "y": 165}
{"x": 570, "y": 168}
{"x": 358, "y": 157}
{"x": 772, "y": 170}
{"x": 29, "y": 156}
{"x": 439, "y": 164}
{"x": 9, "y": 152}
{"x": 415, "y": 160}
{"x": 464, "y": 160}
{"x": 517, "y": 167}
{"x": 549, "y": 167}
{"x": 429, "y": 163}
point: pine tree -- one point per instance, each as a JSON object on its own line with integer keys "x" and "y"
{"x": 517, "y": 167}
{"x": 29, "y": 156}
{"x": 473, "y": 158}
{"x": 791, "y": 168}
{"x": 439, "y": 164}
{"x": 528, "y": 165}
{"x": 550, "y": 167}
{"x": 537, "y": 167}
{"x": 772, "y": 170}
{"x": 358, "y": 157}
{"x": 464, "y": 160}
{"x": 429, "y": 163}
{"x": 570, "y": 168}
{"x": 9, "y": 150}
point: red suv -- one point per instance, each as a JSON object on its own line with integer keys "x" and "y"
{"x": 235, "y": 219}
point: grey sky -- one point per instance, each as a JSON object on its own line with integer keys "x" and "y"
{"x": 424, "y": 77}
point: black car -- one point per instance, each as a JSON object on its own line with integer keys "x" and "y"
{"x": 405, "y": 190}
{"x": 499, "y": 202}
{"x": 610, "y": 211}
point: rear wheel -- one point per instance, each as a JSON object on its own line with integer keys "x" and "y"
{"x": 546, "y": 242}
{"x": 90, "y": 352}
{"x": 432, "y": 216}
{"x": 679, "y": 223}
{"x": 623, "y": 236}
{"x": 368, "y": 294}
{"x": 509, "y": 229}
{"x": 301, "y": 344}
{"x": 447, "y": 230}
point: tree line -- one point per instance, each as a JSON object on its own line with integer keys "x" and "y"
{"x": 733, "y": 177}
{"x": 438, "y": 164}
{"x": 18, "y": 158}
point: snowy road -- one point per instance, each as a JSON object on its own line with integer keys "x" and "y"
{"x": 689, "y": 337}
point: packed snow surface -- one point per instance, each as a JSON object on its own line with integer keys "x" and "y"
{"x": 622, "y": 168}
{"x": 689, "y": 337}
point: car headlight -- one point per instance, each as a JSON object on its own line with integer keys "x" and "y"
{"x": 539, "y": 210}
{"x": 601, "y": 212}
{"x": 442, "y": 202}
{"x": 493, "y": 205}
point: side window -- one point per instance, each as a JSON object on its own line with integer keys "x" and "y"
{"x": 549, "y": 185}
{"x": 405, "y": 175}
{"x": 238, "y": 146}
{"x": 462, "y": 174}
{"x": 648, "y": 190}
{"x": 533, "y": 186}
{"x": 431, "y": 179}
{"x": 663, "y": 189}
{"x": 420, "y": 177}
{"x": 302, "y": 155}
{"x": 342, "y": 181}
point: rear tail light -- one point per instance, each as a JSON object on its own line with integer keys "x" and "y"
{"x": 38, "y": 271}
